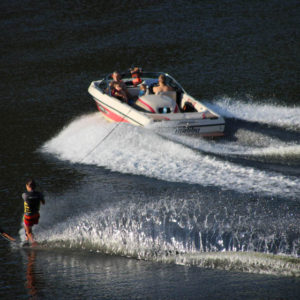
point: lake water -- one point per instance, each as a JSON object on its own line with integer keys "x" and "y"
{"x": 132, "y": 213}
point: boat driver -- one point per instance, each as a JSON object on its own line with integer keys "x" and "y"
{"x": 162, "y": 86}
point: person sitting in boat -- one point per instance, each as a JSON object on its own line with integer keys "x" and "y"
{"x": 143, "y": 90}
{"x": 136, "y": 73}
{"x": 162, "y": 86}
{"x": 118, "y": 92}
{"x": 116, "y": 76}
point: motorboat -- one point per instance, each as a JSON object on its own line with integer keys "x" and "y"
{"x": 174, "y": 109}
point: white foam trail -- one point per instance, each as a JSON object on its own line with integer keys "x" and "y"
{"x": 244, "y": 262}
{"x": 135, "y": 150}
{"x": 164, "y": 231}
{"x": 290, "y": 151}
{"x": 248, "y": 144}
{"x": 286, "y": 117}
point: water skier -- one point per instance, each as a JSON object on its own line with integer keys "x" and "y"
{"x": 32, "y": 200}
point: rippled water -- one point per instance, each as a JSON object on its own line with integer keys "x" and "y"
{"x": 136, "y": 212}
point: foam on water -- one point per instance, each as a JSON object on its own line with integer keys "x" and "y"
{"x": 191, "y": 231}
{"x": 249, "y": 144}
{"x": 240, "y": 261}
{"x": 128, "y": 149}
{"x": 287, "y": 117}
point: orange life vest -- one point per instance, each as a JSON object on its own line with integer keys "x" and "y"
{"x": 136, "y": 79}
{"x": 136, "y": 76}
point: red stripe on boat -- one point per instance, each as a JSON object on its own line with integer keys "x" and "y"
{"x": 109, "y": 114}
{"x": 150, "y": 108}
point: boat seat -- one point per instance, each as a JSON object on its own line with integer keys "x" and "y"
{"x": 171, "y": 94}
{"x": 133, "y": 91}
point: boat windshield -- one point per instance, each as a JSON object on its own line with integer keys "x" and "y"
{"x": 148, "y": 77}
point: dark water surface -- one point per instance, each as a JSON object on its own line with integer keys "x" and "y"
{"x": 146, "y": 216}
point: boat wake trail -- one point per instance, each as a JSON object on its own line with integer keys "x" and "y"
{"x": 139, "y": 151}
{"x": 236, "y": 216}
{"x": 281, "y": 116}
{"x": 258, "y": 132}
{"x": 225, "y": 234}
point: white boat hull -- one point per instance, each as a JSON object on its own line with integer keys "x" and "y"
{"x": 203, "y": 122}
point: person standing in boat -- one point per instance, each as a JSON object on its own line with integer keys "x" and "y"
{"x": 32, "y": 200}
{"x": 162, "y": 86}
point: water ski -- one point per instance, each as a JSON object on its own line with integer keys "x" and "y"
{"x": 25, "y": 244}
{"x": 6, "y": 236}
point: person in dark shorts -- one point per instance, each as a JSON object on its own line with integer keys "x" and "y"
{"x": 32, "y": 200}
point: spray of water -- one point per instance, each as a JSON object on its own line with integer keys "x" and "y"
{"x": 286, "y": 117}
{"x": 184, "y": 230}
{"x": 140, "y": 151}
{"x": 190, "y": 231}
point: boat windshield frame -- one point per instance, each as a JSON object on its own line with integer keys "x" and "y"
{"x": 126, "y": 76}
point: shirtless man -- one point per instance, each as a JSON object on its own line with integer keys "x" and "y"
{"x": 162, "y": 86}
